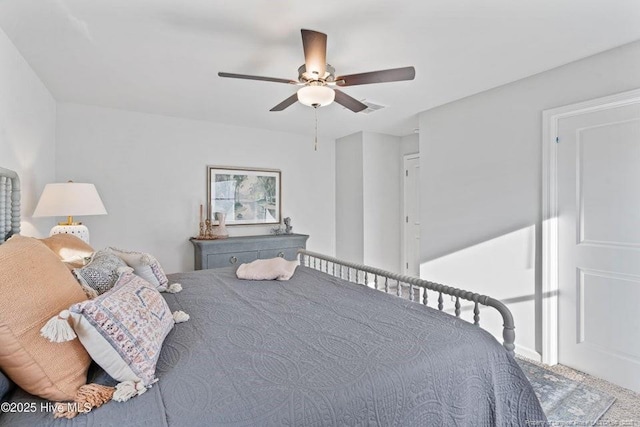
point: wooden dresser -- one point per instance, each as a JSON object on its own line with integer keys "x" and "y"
{"x": 238, "y": 250}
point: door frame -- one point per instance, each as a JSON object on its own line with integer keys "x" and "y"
{"x": 403, "y": 252}
{"x": 550, "y": 226}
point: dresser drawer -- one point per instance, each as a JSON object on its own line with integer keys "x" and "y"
{"x": 235, "y": 258}
{"x": 286, "y": 253}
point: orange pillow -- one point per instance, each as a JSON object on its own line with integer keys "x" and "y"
{"x": 71, "y": 249}
{"x": 36, "y": 286}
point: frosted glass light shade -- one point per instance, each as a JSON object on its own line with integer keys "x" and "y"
{"x": 69, "y": 199}
{"x": 316, "y": 95}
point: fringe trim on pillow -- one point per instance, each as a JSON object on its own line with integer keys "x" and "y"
{"x": 180, "y": 316}
{"x": 128, "y": 389}
{"x": 58, "y": 329}
{"x": 174, "y": 288}
{"x": 88, "y": 397}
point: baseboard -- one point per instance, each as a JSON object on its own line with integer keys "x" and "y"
{"x": 528, "y": 353}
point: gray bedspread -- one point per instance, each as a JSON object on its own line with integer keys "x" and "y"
{"x": 314, "y": 351}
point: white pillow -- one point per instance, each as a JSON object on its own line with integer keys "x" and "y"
{"x": 267, "y": 269}
{"x": 144, "y": 265}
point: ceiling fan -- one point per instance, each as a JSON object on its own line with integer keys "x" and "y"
{"x": 318, "y": 79}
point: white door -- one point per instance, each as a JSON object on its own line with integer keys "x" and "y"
{"x": 412, "y": 215}
{"x": 599, "y": 243}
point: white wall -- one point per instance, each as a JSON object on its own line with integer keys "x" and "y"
{"x": 410, "y": 144}
{"x": 349, "y": 200}
{"x": 27, "y": 132}
{"x": 368, "y": 170}
{"x": 151, "y": 173}
{"x": 481, "y": 182}
{"x": 382, "y": 211}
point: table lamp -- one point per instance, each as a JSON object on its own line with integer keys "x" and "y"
{"x": 70, "y": 199}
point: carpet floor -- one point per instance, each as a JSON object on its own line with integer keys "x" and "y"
{"x": 625, "y": 410}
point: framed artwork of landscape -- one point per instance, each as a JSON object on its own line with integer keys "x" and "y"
{"x": 246, "y": 196}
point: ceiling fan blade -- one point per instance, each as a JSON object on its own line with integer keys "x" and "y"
{"x": 248, "y": 77}
{"x": 314, "y": 44}
{"x": 286, "y": 103}
{"x": 382, "y": 76}
{"x": 349, "y": 102}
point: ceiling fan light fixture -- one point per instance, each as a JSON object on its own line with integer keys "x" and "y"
{"x": 316, "y": 96}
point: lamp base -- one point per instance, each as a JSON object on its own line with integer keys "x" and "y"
{"x": 78, "y": 230}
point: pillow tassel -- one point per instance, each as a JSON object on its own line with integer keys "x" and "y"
{"x": 174, "y": 288}
{"x": 58, "y": 329}
{"x": 180, "y": 316}
{"x": 88, "y": 397}
{"x": 128, "y": 389}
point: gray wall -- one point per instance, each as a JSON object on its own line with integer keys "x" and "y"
{"x": 481, "y": 176}
{"x": 27, "y": 132}
{"x": 349, "y": 200}
{"x": 367, "y": 199}
{"x": 151, "y": 173}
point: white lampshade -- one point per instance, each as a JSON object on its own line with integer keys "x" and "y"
{"x": 69, "y": 199}
{"x": 317, "y": 96}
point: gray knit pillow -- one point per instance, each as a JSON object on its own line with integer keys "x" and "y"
{"x": 101, "y": 273}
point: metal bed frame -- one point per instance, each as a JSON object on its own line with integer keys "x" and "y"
{"x": 352, "y": 272}
{"x": 384, "y": 281}
{"x": 9, "y": 204}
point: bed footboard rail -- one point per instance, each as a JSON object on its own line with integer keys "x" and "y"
{"x": 388, "y": 282}
{"x": 9, "y": 204}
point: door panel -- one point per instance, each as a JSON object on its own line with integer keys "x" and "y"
{"x": 412, "y": 216}
{"x": 599, "y": 243}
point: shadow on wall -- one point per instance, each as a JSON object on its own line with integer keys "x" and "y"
{"x": 504, "y": 267}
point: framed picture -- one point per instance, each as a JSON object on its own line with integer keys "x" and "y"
{"x": 246, "y": 196}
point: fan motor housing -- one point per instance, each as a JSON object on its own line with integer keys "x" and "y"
{"x": 304, "y": 77}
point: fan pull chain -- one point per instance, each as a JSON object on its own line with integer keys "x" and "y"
{"x": 315, "y": 143}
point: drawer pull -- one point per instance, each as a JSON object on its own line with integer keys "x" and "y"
{"x": 281, "y": 254}
{"x": 233, "y": 260}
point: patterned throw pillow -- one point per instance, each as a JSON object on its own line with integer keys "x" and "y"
{"x": 123, "y": 329}
{"x": 145, "y": 266}
{"x": 101, "y": 273}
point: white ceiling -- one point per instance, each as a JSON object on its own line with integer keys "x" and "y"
{"x": 162, "y": 56}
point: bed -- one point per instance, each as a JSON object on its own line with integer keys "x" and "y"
{"x": 323, "y": 348}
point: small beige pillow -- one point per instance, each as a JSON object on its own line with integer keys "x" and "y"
{"x": 267, "y": 269}
{"x": 35, "y": 286}
{"x": 71, "y": 249}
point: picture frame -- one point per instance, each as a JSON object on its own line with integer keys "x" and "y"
{"x": 248, "y": 196}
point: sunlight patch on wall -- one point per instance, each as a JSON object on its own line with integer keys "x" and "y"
{"x": 503, "y": 268}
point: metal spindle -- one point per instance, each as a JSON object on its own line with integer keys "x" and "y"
{"x": 476, "y": 314}
{"x": 413, "y": 283}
